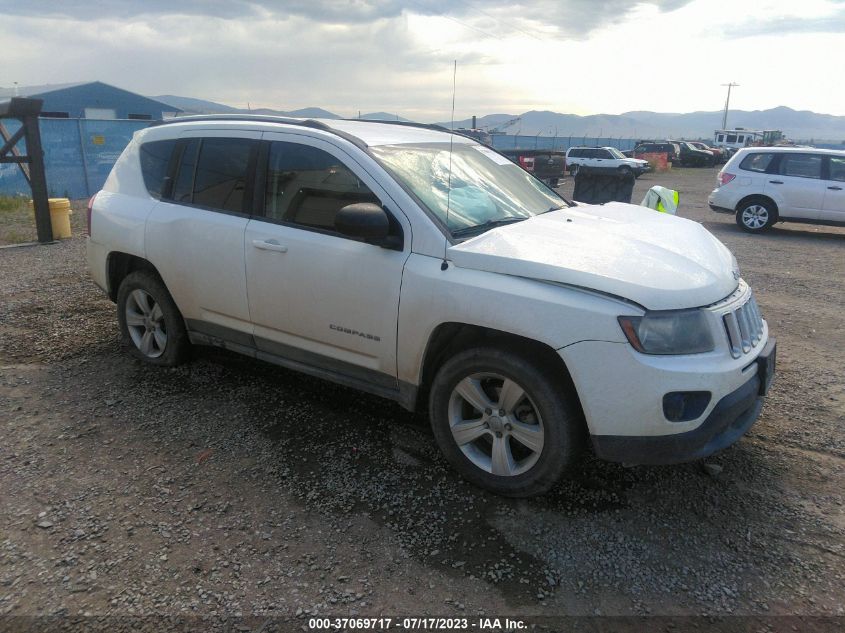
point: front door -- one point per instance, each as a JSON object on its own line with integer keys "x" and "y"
{"x": 317, "y": 297}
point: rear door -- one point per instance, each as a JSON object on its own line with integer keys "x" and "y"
{"x": 797, "y": 185}
{"x": 833, "y": 208}
{"x": 195, "y": 234}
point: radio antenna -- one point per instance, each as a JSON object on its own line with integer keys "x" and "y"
{"x": 445, "y": 264}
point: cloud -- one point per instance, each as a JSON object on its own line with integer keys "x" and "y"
{"x": 834, "y": 23}
{"x": 573, "y": 18}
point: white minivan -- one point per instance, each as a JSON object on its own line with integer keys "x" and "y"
{"x": 764, "y": 185}
{"x": 419, "y": 265}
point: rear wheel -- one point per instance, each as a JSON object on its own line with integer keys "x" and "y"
{"x": 504, "y": 423}
{"x": 150, "y": 323}
{"x": 756, "y": 215}
{"x": 573, "y": 170}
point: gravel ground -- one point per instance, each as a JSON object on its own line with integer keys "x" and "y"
{"x": 229, "y": 487}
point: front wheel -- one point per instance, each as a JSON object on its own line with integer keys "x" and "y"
{"x": 756, "y": 216}
{"x": 573, "y": 170}
{"x": 504, "y": 423}
{"x": 150, "y": 323}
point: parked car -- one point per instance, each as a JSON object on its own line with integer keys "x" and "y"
{"x": 719, "y": 154}
{"x": 426, "y": 268}
{"x": 672, "y": 151}
{"x": 693, "y": 157}
{"x": 765, "y": 185}
{"x": 605, "y": 157}
{"x": 547, "y": 166}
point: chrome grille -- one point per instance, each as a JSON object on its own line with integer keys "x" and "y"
{"x": 744, "y": 326}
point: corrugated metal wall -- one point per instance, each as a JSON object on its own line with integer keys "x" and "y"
{"x": 560, "y": 143}
{"x": 78, "y": 155}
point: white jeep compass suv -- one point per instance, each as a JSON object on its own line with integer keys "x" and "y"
{"x": 424, "y": 267}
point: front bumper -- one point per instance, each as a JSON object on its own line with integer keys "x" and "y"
{"x": 729, "y": 420}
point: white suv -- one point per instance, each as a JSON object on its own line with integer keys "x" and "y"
{"x": 606, "y": 158}
{"x": 426, "y": 268}
{"x": 764, "y": 185}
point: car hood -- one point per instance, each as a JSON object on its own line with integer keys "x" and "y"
{"x": 659, "y": 261}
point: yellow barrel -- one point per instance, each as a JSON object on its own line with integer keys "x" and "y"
{"x": 59, "y": 217}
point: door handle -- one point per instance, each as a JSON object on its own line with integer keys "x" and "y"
{"x": 269, "y": 245}
{"x": 836, "y": 188}
{"x": 776, "y": 182}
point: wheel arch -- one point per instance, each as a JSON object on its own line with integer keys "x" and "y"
{"x": 450, "y": 338}
{"x": 119, "y": 265}
{"x": 761, "y": 198}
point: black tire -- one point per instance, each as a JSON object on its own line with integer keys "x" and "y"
{"x": 559, "y": 419}
{"x": 625, "y": 172}
{"x": 573, "y": 170}
{"x": 756, "y": 215}
{"x": 176, "y": 347}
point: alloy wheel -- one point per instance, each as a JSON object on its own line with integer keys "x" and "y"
{"x": 145, "y": 322}
{"x": 495, "y": 424}
{"x": 755, "y": 216}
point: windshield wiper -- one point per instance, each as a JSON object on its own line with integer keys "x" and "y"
{"x": 550, "y": 209}
{"x": 489, "y": 224}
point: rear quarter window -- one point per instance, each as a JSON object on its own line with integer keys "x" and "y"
{"x": 155, "y": 161}
{"x": 758, "y": 162}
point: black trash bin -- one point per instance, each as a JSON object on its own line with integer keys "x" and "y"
{"x": 597, "y": 185}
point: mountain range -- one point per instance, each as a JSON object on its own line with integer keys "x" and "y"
{"x": 799, "y": 125}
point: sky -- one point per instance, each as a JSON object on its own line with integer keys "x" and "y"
{"x": 571, "y": 56}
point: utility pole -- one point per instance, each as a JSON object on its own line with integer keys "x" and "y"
{"x": 727, "y": 103}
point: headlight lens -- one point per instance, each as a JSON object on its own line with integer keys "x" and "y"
{"x": 675, "y": 332}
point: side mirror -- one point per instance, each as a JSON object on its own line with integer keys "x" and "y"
{"x": 363, "y": 219}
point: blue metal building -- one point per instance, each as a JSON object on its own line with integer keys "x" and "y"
{"x": 96, "y": 100}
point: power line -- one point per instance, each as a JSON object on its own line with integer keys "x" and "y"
{"x": 456, "y": 21}
{"x": 511, "y": 26}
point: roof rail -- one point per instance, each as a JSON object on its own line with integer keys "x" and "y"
{"x": 265, "y": 118}
{"x": 425, "y": 126}
{"x": 310, "y": 123}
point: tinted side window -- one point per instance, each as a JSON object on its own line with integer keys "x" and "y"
{"x": 603, "y": 153}
{"x": 183, "y": 188}
{"x": 221, "y": 173}
{"x": 801, "y": 165}
{"x": 731, "y": 138}
{"x": 155, "y": 159}
{"x": 756, "y": 162}
{"x": 575, "y": 153}
{"x": 837, "y": 168}
{"x": 308, "y": 186}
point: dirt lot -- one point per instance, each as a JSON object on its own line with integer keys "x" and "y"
{"x": 229, "y": 487}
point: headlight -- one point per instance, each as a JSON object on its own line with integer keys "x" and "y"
{"x": 674, "y": 332}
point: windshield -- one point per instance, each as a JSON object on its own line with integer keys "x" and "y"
{"x": 616, "y": 153}
{"x": 482, "y": 189}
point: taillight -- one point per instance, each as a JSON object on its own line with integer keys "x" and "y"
{"x": 725, "y": 178}
{"x": 527, "y": 163}
{"x": 90, "y": 206}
